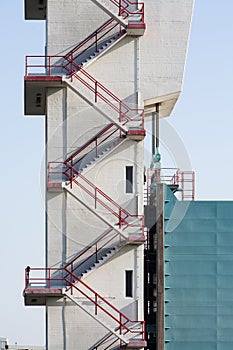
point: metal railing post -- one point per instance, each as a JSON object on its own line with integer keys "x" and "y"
{"x": 71, "y": 174}
{"x": 96, "y": 253}
{"x": 49, "y": 65}
{"x": 49, "y": 277}
{"x": 96, "y": 40}
{"x": 27, "y": 272}
{"x": 95, "y": 197}
{"x": 119, "y": 7}
{"x": 96, "y": 304}
{"x": 120, "y": 218}
{"x": 96, "y": 144}
{"x": 120, "y": 323}
{"x": 120, "y": 113}
{"x": 96, "y": 86}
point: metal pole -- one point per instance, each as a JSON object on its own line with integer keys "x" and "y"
{"x": 155, "y": 129}
{"x": 153, "y": 133}
{"x": 157, "y": 124}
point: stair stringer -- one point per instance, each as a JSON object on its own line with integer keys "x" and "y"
{"x": 111, "y": 13}
{"x": 95, "y": 317}
{"x": 91, "y": 163}
{"x": 104, "y": 259}
{"x": 101, "y": 53}
{"x": 98, "y": 109}
{"x": 95, "y": 212}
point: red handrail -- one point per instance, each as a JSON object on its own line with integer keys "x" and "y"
{"x": 98, "y": 89}
{"x": 185, "y": 180}
{"x": 93, "y": 140}
{"x": 111, "y": 23}
{"x": 74, "y": 176}
{"x": 124, "y": 11}
{"x": 121, "y": 319}
{"x": 104, "y": 339}
{"x": 72, "y": 264}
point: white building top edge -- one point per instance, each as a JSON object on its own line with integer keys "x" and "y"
{"x": 166, "y": 105}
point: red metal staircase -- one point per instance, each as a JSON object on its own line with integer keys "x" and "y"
{"x": 125, "y": 122}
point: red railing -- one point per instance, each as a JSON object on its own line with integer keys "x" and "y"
{"x": 57, "y": 65}
{"x": 184, "y": 180}
{"x": 123, "y": 10}
{"x": 73, "y": 176}
{"x": 94, "y": 249}
{"x": 109, "y": 341}
{"x": 74, "y": 283}
{"x": 93, "y": 144}
{"x": 187, "y": 183}
{"x": 99, "y": 36}
{"x": 101, "y": 92}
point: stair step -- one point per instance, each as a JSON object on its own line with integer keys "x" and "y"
{"x": 101, "y": 154}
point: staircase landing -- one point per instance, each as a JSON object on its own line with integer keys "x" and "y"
{"x": 35, "y": 89}
{"x": 37, "y": 296}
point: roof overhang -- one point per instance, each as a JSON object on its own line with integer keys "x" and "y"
{"x": 166, "y": 105}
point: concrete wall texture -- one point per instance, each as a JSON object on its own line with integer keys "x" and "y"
{"x": 198, "y": 275}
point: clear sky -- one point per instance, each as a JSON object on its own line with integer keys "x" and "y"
{"x": 203, "y": 119}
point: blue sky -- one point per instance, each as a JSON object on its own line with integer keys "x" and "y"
{"x": 203, "y": 119}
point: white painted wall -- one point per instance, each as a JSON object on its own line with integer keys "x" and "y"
{"x": 164, "y": 46}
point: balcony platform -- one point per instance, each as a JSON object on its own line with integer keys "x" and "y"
{"x": 55, "y": 187}
{"x": 136, "y": 28}
{"x": 37, "y": 296}
{"x": 135, "y": 344}
{"x": 139, "y": 239}
{"x": 136, "y": 134}
{"x": 35, "y": 89}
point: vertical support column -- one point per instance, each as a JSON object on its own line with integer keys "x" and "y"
{"x": 157, "y": 125}
{"x": 155, "y": 130}
{"x": 153, "y": 134}
{"x": 160, "y": 265}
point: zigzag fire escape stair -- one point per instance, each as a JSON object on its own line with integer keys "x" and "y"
{"x": 121, "y": 121}
{"x": 129, "y": 122}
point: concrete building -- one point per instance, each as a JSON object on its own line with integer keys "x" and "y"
{"x": 109, "y": 67}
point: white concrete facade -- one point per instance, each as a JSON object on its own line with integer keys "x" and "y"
{"x": 140, "y": 70}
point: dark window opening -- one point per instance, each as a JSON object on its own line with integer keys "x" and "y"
{"x": 129, "y": 283}
{"x": 129, "y": 179}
